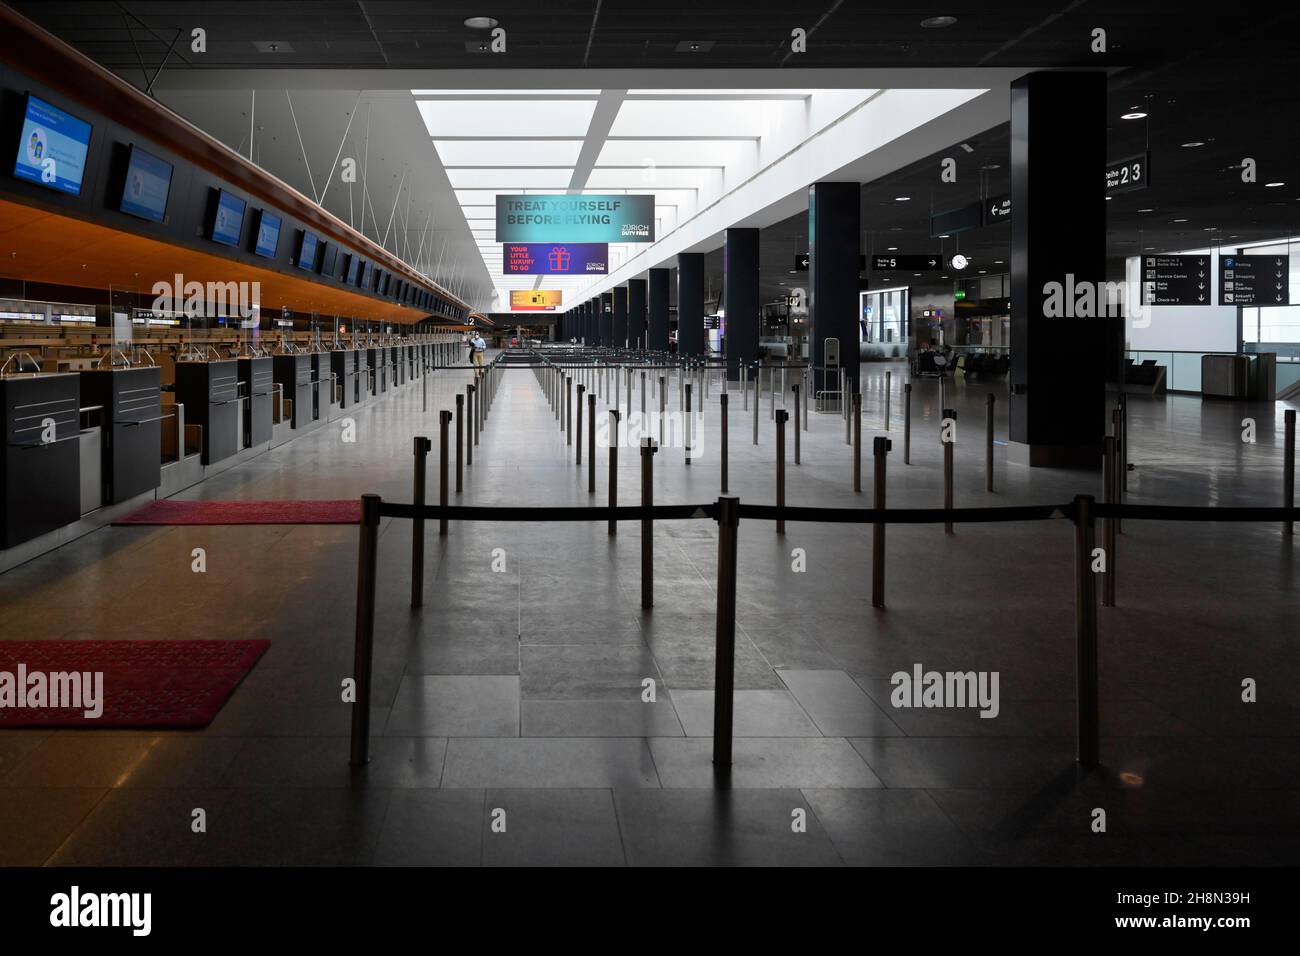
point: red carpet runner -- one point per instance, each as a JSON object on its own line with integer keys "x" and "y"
{"x": 168, "y": 511}
{"x": 144, "y": 684}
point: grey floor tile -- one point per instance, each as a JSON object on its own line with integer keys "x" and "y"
{"x": 890, "y": 828}
{"x": 837, "y": 705}
{"x": 585, "y": 672}
{"x": 762, "y": 762}
{"x": 433, "y": 828}
{"x": 323, "y": 762}
{"x": 140, "y": 827}
{"x": 956, "y": 762}
{"x": 756, "y": 713}
{"x": 721, "y": 828}
{"x": 36, "y": 822}
{"x": 552, "y": 828}
{"x": 456, "y": 706}
{"x": 600, "y": 718}
{"x": 573, "y": 763}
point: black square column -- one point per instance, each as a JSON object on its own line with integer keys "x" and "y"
{"x": 620, "y": 317}
{"x": 1058, "y": 242}
{"x": 636, "y": 313}
{"x": 740, "y": 298}
{"x": 657, "y": 310}
{"x": 834, "y": 225}
{"x": 690, "y": 303}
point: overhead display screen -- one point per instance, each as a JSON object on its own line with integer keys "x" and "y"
{"x": 354, "y": 269}
{"x": 555, "y": 258}
{"x": 572, "y": 218}
{"x": 52, "y": 148}
{"x": 148, "y": 181}
{"x": 307, "y": 251}
{"x": 367, "y": 272}
{"x": 329, "y": 260}
{"x": 535, "y": 300}
{"x": 268, "y": 235}
{"x": 228, "y": 221}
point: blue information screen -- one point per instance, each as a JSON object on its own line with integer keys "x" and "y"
{"x": 229, "y": 220}
{"x": 367, "y": 274}
{"x": 268, "y": 235}
{"x": 354, "y": 269}
{"x": 307, "y": 251}
{"x": 148, "y": 181}
{"x": 52, "y": 150}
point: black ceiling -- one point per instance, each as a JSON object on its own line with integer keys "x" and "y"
{"x": 1218, "y": 75}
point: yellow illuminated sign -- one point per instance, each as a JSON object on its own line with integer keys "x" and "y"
{"x": 536, "y": 300}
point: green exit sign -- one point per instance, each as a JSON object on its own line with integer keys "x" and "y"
{"x": 960, "y": 294}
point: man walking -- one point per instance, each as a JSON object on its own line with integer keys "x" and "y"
{"x": 479, "y": 347}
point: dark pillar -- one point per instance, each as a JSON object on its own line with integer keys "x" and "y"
{"x": 1058, "y": 235}
{"x": 834, "y": 224}
{"x": 740, "y": 297}
{"x": 690, "y": 303}
{"x": 636, "y": 312}
{"x": 586, "y": 322}
{"x": 620, "y": 317}
{"x": 606, "y": 307}
{"x": 657, "y": 310}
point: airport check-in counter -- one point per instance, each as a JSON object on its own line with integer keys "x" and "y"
{"x": 257, "y": 376}
{"x": 343, "y": 365}
{"x": 374, "y": 360}
{"x": 362, "y": 359}
{"x": 132, "y": 418}
{"x": 41, "y": 463}
{"x": 412, "y": 362}
{"x": 319, "y": 367}
{"x": 210, "y": 393}
{"x": 293, "y": 375}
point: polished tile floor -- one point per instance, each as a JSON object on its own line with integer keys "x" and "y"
{"x": 509, "y": 720}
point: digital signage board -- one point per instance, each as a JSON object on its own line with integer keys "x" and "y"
{"x": 575, "y": 218}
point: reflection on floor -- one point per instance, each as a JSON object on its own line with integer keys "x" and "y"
{"x": 521, "y": 690}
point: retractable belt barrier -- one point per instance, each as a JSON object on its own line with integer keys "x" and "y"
{"x": 1083, "y": 512}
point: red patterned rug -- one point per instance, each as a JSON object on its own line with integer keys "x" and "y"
{"x": 171, "y": 511}
{"x": 143, "y": 684}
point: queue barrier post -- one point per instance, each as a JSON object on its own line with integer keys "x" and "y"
{"x": 363, "y": 646}
{"x": 460, "y": 440}
{"x": 581, "y": 389}
{"x": 725, "y": 630}
{"x": 907, "y": 423}
{"x": 1088, "y": 730}
{"x": 444, "y": 424}
{"x": 1110, "y": 482}
{"x": 857, "y": 442}
{"x": 470, "y": 438}
{"x": 888, "y": 395}
{"x": 782, "y": 416}
{"x": 795, "y": 386}
{"x": 722, "y": 400}
{"x": 614, "y": 416}
{"x": 648, "y": 449}
{"x": 988, "y": 441}
{"x": 1288, "y": 470}
{"x": 687, "y": 423}
{"x": 879, "y": 451}
{"x": 949, "y": 415}
{"x": 422, "y": 446}
{"x": 591, "y": 444}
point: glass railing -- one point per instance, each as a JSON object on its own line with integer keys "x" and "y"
{"x": 1183, "y": 369}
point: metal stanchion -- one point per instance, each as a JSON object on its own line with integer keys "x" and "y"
{"x": 889, "y": 390}
{"x": 648, "y": 449}
{"x": 846, "y": 409}
{"x": 1288, "y": 468}
{"x": 469, "y": 426}
{"x": 988, "y": 442}
{"x": 907, "y": 423}
{"x": 1117, "y": 430}
{"x": 424, "y": 393}
{"x": 687, "y": 418}
{"x": 581, "y": 390}
{"x": 771, "y": 393}
{"x": 857, "y": 442}
{"x": 722, "y": 399}
{"x": 613, "y": 466}
{"x": 663, "y": 408}
{"x": 782, "y": 416}
{"x": 1088, "y": 753}
{"x": 444, "y": 423}
{"x": 744, "y": 384}
{"x": 422, "y": 446}
{"x": 757, "y": 376}
{"x": 644, "y": 410}
{"x": 363, "y": 647}
{"x": 724, "y": 676}
{"x": 795, "y": 386}
{"x": 591, "y": 444}
{"x": 568, "y": 410}
{"x": 1109, "y": 482}
{"x": 879, "y": 451}
{"x": 948, "y": 413}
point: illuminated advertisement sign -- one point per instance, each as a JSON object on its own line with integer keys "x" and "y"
{"x": 555, "y": 258}
{"x": 535, "y": 300}
{"x": 573, "y": 218}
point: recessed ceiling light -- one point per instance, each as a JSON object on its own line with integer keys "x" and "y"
{"x": 1192, "y": 145}
{"x": 481, "y": 23}
{"x": 936, "y": 23}
{"x": 998, "y": 262}
{"x": 917, "y": 274}
{"x": 902, "y": 198}
{"x": 892, "y": 249}
{"x": 1132, "y": 116}
{"x": 1146, "y": 210}
{"x": 982, "y": 271}
{"x": 1179, "y": 220}
{"x": 991, "y": 166}
{"x": 1109, "y": 198}
{"x": 1273, "y": 185}
{"x": 945, "y": 237}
